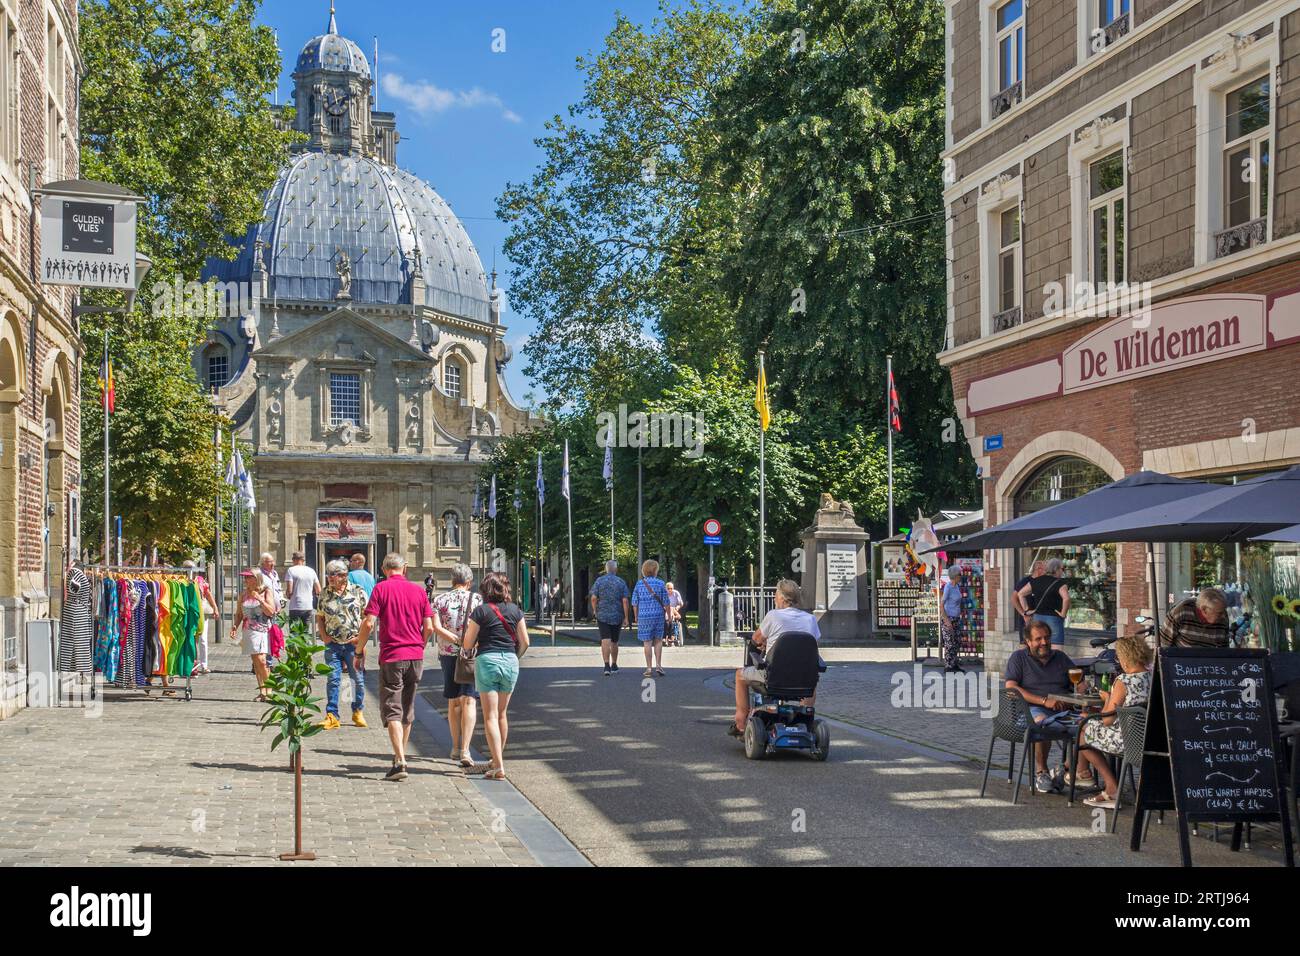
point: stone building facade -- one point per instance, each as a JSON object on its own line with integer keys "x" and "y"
{"x": 1124, "y": 263}
{"x": 363, "y": 353}
{"x": 40, "y": 349}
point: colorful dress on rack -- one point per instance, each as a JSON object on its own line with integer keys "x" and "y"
{"x": 152, "y": 648}
{"x": 181, "y": 652}
{"x": 139, "y": 628}
{"x": 108, "y": 647}
{"x": 77, "y": 627}
{"x": 164, "y": 626}
{"x": 126, "y": 625}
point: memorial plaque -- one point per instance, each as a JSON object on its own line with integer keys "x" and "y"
{"x": 841, "y": 577}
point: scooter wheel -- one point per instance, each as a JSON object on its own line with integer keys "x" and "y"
{"x": 822, "y": 731}
{"x": 755, "y": 739}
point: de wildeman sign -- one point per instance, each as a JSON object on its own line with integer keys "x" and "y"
{"x": 1176, "y": 334}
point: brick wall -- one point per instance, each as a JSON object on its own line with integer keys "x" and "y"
{"x": 965, "y": 68}
{"x": 1051, "y": 41}
{"x": 1162, "y": 190}
{"x": 1178, "y": 407}
{"x": 966, "y": 268}
{"x": 1046, "y": 229}
{"x": 1286, "y": 154}
{"x": 1144, "y": 10}
{"x": 1133, "y": 57}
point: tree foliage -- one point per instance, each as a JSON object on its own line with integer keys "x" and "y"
{"x": 174, "y": 106}
{"x": 732, "y": 180}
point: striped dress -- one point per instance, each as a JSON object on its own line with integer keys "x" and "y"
{"x": 76, "y": 628}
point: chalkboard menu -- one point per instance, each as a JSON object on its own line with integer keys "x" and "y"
{"x": 1211, "y": 748}
{"x": 1219, "y": 712}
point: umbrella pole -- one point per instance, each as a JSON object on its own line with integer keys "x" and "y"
{"x": 1155, "y": 589}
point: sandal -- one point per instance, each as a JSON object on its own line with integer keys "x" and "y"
{"x": 465, "y": 761}
{"x": 495, "y": 773}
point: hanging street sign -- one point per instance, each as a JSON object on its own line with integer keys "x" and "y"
{"x": 88, "y": 235}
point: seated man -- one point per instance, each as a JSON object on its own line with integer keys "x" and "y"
{"x": 1201, "y": 621}
{"x": 1037, "y": 671}
{"x": 786, "y": 618}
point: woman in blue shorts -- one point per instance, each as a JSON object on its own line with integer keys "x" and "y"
{"x": 496, "y": 629}
{"x": 649, "y": 606}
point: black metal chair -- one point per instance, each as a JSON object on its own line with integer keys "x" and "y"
{"x": 1013, "y": 723}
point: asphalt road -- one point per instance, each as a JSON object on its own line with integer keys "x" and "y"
{"x": 643, "y": 773}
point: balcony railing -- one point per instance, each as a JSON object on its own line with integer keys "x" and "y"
{"x": 1237, "y": 238}
{"x": 1116, "y": 29}
{"x": 1003, "y": 101}
{"x": 1006, "y": 320}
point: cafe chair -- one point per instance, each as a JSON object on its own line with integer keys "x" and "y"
{"x": 1013, "y": 724}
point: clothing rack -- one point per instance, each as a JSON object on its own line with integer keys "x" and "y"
{"x": 99, "y": 571}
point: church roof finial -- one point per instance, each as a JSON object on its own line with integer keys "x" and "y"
{"x": 334, "y": 27}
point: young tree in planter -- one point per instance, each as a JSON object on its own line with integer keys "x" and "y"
{"x": 292, "y": 712}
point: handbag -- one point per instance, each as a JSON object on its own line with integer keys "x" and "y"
{"x": 465, "y": 673}
{"x": 275, "y": 640}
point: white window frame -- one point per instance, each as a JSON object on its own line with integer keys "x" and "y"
{"x": 1098, "y": 143}
{"x": 57, "y": 58}
{"x": 449, "y": 364}
{"x": 1089, "y": 19}
{"x": 11, "y": 79}
{"x": 995, "y": 199}
{"x": 366, "y": 372}
{"x": 990, "y": 36}
{"x": 1235, "y": 66}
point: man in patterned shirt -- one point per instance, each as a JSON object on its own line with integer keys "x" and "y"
{"x": 342, "y": 606}
{"x": 609, "y": 603}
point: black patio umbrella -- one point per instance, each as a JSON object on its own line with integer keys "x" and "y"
{"x": 1139, "y": 490}
{"x": 1291, "y": 533}
{"x": 1225, "y": 514}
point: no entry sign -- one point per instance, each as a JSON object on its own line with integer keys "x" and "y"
{"x": 712, "y": 531}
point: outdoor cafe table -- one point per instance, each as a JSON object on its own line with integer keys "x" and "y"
{"x": 1079, "y": 700}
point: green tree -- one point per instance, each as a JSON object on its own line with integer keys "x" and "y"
{"x": 174, "y": 106}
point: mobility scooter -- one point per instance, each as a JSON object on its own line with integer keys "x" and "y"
{"x": 777, "y": 720}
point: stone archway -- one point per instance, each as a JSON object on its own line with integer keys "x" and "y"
{"x": 57, "y": 395}
{"x": 12, "y": 389}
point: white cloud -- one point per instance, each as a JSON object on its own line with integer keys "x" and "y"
{"x": 428, "y": 99}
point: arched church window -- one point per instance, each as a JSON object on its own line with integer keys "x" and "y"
{"x": 451, "y": 377}
{"x": 1088, "y": 570}
{"x": 216, "y": 367}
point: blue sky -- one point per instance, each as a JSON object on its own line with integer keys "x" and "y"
{"x": 467, "y": 115}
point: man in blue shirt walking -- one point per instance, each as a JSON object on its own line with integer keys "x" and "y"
{"x": 609, "y": 604}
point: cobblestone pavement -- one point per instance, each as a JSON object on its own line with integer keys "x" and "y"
{"x": 155, "y": 781}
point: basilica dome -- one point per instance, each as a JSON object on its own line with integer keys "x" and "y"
{"x": 382, "y": 217}
{"x": 333, "y": 53}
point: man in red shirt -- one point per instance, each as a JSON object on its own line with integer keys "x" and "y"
{"x": 406, "y": 623}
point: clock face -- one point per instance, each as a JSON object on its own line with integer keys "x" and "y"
{"x": 336, "y": 102}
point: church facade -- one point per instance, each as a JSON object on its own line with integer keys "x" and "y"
{"x": 362, "y": 352}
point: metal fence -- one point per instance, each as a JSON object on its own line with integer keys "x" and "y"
{"x": 749, "y": 605}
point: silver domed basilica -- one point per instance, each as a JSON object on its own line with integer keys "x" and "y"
{"x": 363, "y": 353}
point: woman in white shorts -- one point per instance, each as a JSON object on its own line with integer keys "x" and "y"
{"x": 255, "y": 613}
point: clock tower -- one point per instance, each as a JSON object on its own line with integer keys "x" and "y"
{"x": 333, "y": 95}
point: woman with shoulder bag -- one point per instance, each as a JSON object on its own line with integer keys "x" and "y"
{"x": 497, "y": 634}
{"x": 650, "y": 614}
{"x": 1048, "y": 600}
{"x": 451, "y": 612}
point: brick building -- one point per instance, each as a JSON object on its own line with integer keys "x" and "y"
{"x": 40, "y": 351}
{"x": 1122, "y": 181}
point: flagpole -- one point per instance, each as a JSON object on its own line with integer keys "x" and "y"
{"x": 108, "y": 534}
{"x": 762, "y": 484}
{"x": 889, "y": 432}
{"x": 568, "y": 497}
{"x": 640, "y": 555}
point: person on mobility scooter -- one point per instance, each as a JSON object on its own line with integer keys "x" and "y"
{"x": 775, "y": 690}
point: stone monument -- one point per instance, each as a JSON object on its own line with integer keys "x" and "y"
{"x": 836, "y": 578}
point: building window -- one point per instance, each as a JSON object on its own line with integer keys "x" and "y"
{"x": 1110, "y": 20}
{"x": 218, "y": 369}
{"x": 1089, "y": 570}
{"x": 9, "y": 82}
{"x": 56, "y": 124}
{"x": 1009, "y": 55}
{"x": 1247, "y": 133}
{"x": 1106, "y": 219}
{"x": 451, "y": 378}
{"x": 1007, "y": 278}
{"x": 345, "y": 398}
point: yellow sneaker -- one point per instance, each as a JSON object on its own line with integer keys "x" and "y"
{"x": 359, "y": 719}
{"x": 330, "y": 722}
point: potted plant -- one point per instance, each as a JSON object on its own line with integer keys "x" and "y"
{"x": 292, "y": 713}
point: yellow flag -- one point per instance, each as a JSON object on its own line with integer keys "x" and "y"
{"x": 760, "y": 398}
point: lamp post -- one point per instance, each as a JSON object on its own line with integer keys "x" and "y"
{"x": 142, "y": 266}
